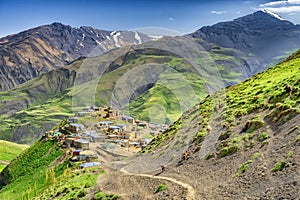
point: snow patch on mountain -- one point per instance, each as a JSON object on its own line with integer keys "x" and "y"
{"x": 116, "y": 39}
{"x": 81, "y": 43}
{"x": 108, "y": 38}
{"x": 156, "y": 37}
{"x": 112, "y": 33}
{"x": 137, "y": 37}
{"x": 272, "y": 14}
{"x": 102, "y": 45}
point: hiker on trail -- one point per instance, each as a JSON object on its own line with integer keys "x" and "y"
{"x": 163, "y": 168}
{"x": 185, "y": 155}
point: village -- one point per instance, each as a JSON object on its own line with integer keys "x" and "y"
{"x": 103, "y": 134}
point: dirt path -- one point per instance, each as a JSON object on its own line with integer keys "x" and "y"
{"x": 143, "y": 186}
{"x": 190, "y": 190}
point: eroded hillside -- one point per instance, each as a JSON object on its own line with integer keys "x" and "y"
{"x": 241, "y": 142}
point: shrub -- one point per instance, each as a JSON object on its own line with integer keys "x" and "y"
{"x": 161, "y": 187}
{"x": 289, "y": 154}
{"x": 229, "y": 150}
{"x": 200, "y": 136}
{"x": 243, "y": 167}
{"x": 263, "y": 136}
{"x": 255, "y": 155}
{"x": 252, "y": 125}
{"x": 102, "y": 196}
{"x": 279, "y": 166}
{"x": 209, "y": 156}
{"x": 264, "y": 143}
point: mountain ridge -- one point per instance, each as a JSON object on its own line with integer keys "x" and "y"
{"x": 259, "y": 33}
{"x": 35, "y": 51}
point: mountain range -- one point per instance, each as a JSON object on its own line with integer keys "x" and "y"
{"x": 262, "y": 34}
{"x": 153, "y": 80}
{"x": 31, "y": 53}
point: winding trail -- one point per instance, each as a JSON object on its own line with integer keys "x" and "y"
{"x": 190, "y": 190}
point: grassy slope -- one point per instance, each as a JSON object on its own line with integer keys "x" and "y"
{"x": 263, "y": 93}
{"x": 28, "y": 171}
{"x": 76, "y": 185}
{"x": 167, "y": 99}
{"x": 8, "y": 151}
{"x": 43, "y": 171}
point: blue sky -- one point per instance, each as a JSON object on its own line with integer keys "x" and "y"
{"x": 182, "y": 16}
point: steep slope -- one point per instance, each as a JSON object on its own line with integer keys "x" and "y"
{"x": 243, "y": 141}
{"x": 29, "y": 169}
{"x": 8, "y": 151}
{"x": 30, "y": 53}
{"x": 261, "y": 34}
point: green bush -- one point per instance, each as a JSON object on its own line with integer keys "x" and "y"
{"x": 161, "y": 187}
{"x": 289, "y": 154}
{"x": 250, "y": 144}
{"x": 263, "y": 136}
{"x": 200, "y": 136}
{"x": 243, "y": 167}
{"x": 229, "y": 150}
{"x": 102, "y": 196}
{"x": 279, "y": 166}
{"x": 252, "y": 125}
{"x": 255, "y": 155}
{"x": 209, "y": 156}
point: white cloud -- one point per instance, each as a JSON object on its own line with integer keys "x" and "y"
{"x": 238, "y": 12}
{"x": 294, "y": 1}
{"x": 288, "y": 6}
{"x": 274, "y": 3}
{"x": 285, "y": 9}
{"x": 218, "y": 12}
{"x": 171, "y": 19}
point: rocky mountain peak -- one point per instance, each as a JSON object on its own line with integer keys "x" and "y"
{"x": 262, "y": 33}
{"x": 30, "y": 53}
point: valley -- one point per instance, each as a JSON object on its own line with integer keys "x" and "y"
{"x": 95, "y": 114}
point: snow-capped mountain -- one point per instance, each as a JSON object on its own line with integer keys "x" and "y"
{"x": 25, "y": 55}
{"x": 272, "y": 14}
{"x": 263, "y": 34}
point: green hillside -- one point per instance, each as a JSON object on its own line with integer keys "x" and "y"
{"x": 240, "y": 142}
{"x": 256, "y": 102}
{"x": 27, "y": 172}
{"x": 8, "y": 151}
{"x": 43, "y": 171}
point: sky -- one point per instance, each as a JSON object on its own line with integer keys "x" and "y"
{"x": 182, "y": 16}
